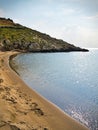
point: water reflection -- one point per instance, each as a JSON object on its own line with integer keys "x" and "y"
{"x": 67, "y": 79}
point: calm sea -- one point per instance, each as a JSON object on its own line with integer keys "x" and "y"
{"x": 69, "y": 80}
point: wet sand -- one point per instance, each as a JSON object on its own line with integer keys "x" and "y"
{"x": 21, "y": 108}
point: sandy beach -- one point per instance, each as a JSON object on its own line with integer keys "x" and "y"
{"x": 21, "y": 108}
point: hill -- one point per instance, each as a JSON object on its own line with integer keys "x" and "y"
{"x": 14, "y": 36}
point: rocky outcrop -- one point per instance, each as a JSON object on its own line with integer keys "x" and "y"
{"x": 17, "y": 37}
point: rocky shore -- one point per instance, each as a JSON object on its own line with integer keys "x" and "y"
{"x": 14, "y": 36}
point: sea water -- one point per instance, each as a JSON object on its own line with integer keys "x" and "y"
{"x": 69, "y": 80}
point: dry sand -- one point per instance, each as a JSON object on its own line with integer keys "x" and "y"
{"x": 21, "y": 108}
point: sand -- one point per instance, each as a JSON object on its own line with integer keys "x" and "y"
{"x": 21, "y": 108}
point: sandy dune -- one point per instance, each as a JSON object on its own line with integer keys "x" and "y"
{"x": 21, "y": 108}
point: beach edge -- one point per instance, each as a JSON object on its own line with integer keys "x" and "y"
{"x": 53, "y": 118}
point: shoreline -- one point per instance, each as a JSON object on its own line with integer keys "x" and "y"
{"x": 23, "y": 108}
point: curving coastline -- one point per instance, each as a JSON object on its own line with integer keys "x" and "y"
{"x": 22, "y": 108}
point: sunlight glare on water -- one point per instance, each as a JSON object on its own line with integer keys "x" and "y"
{"x": 70, "y": 80}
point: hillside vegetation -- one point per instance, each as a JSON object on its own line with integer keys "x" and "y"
{"x": 17, "y": 37}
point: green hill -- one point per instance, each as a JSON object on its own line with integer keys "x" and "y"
{"x": 17, "y": 37}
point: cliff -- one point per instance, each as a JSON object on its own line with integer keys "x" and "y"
{"x": 14, "y": 36}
